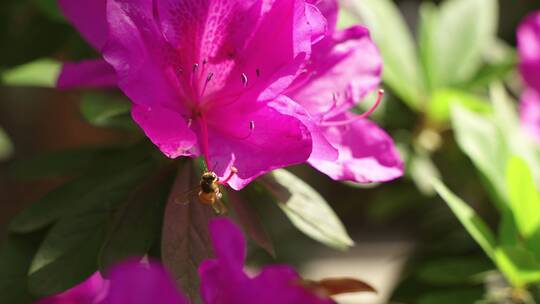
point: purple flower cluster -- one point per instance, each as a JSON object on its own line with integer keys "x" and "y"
{"x": 248, "y": 84}
{"x": 223, "y": 280}
{"x": 529, "y": 53}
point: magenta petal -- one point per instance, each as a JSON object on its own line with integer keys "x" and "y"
{"x": 366, "y": 153}
{"x": 228, "y": 242}
{"x": 344, "y": 69}
{"x": 87, "y": 74}
{"x": 329, "y": 9}
{"x": 528, "y": 37}
{"x": 88, "y": 16}
{"x": 278, "y": 139}
{"x": 530, "y": 113}
{"x": 281, "y": 284}
{"x": 166, "y": 129}
{"x": 319, "y": 27}
{"x": 136, "y": 283}
{"x": 137, "y": 51}
{"x": 91, "y": 291}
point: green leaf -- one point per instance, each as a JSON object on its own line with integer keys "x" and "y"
{"x": 250, "y": 220}
{"x": 422, "y": 170}
{"x": 308, "y": 210}
{"x": 478, "y": 136}
{"x": 459, "y": 34}
{"x": 402, "y": 72}
{"x": 442, "y": 101}
{"x": 40, "y": 73}
{"x": 518, "y": 265}
{"x": 137, "y": 225}
{"x": 104, "y": 110}
{"x": 471, "y": 295}
{"x": 456, "y": 270}
{"x": 476, "y": 227}
{"x": 185, "y": 240}
{"x": 6, "y": 146}
{"x": 50, "y": 9}
{"x": 68, "y": 255}
{"x": 15, "y": 258}
{"x": 110, "y": 182}
{"x": 58, "y": 163}
{"x": 524, "y": 196}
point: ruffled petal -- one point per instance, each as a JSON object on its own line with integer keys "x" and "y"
{"x": 366, "y": 153}
{"x": 87, "y": 74}
{"x": 278, "y": 139}
{"x": 136, "y": 283}
{"x": 329, "y": 9}
{"x": 166, "y": 129}
{"x": 530, "y": 113}
{"x": 528, "y": 37}
{"x": 88, "y": 16}
{"x": 228, "y": 242}
{"x": 141, "y": 57}
{"x": 344, "y": 69}
{"x": 93, "y": 290}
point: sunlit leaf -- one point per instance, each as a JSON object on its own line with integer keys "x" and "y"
{"x": 185, "y": 238}
{"x": 402, "y": 70}
{"x": 524, "y": 196}
{"x": 40, "y": 73}
{"x": 6, "y": 146}
{"x": 479, "y": 137}
{"x": 460, "y": 33}
{"x": 518, "y": 265}
{"x": 442, "y": 101}
{"x": 308, "y": 210}
{"x": 476, "y": 227}
{"x": 104, "y": 110}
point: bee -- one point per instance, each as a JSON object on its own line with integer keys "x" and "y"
{"x": 209, "y": 191}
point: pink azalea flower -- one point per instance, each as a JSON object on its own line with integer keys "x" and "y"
{"x": 344, "y": 67}
{"x": 223, "y": 280}
{"x": 528, "y": 36}
{"x": 255, "y": 84}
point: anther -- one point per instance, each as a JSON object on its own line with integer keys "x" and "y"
{"x": 244, "y": 79}
{"x": 380, "y": 94}
{"x": 209, "y": 77}
{"x": 251, "y": 125}
{"x": 195, "y": 67}
{"x": 258, "y": 72}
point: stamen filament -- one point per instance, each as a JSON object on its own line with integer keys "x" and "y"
{"x": 380, "y": 94}
{"x": 231, "y": 174}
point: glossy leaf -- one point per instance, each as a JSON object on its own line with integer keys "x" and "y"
{"x": 309, "y": 211}
{"x": 524, "y": 196}
{"x": 39, "y": 73}
{"x": 442, "y": 101}
{"x": 402, "y": 70}
{"x": 104, "y": 110}
{"x": 136, "y": 227}
{"x": 479, "y": 138}
{"x": 185, "y": 238}
{"x": 476, "y": 227}
{"x": 250, "y": 220}
{"x": 15, "y": 257}
{"x": 68, "y": 255}
{"x": 110, "y": 183}
{"x": 460, "y": 33}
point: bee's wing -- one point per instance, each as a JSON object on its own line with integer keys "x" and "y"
{"x": 219, "y": 207}
{"x": 186, "y": 197}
